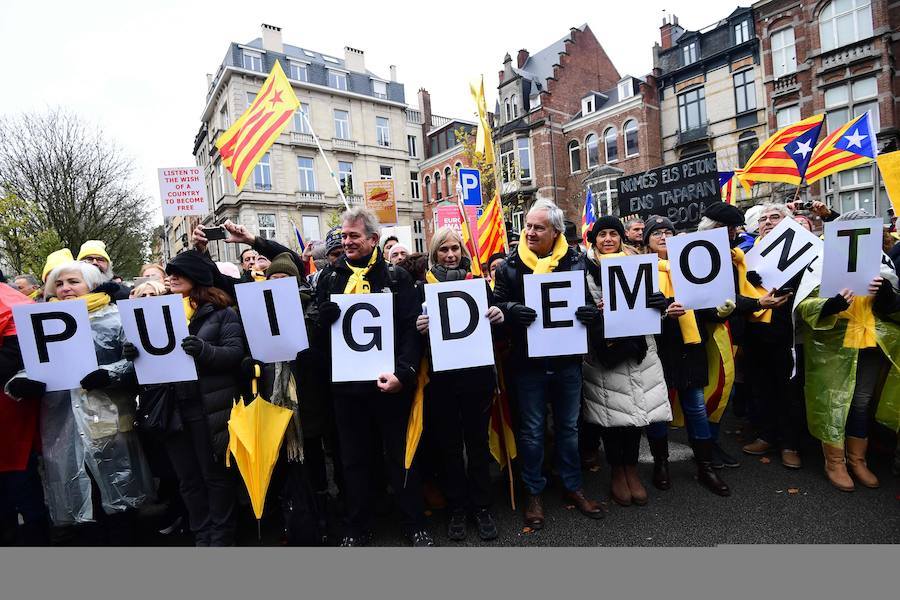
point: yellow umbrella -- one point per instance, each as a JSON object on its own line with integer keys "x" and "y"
{"x": 414, "y": 425}
{"x": 255, "y": 435}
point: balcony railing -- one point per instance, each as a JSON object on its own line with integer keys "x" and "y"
{"x": 846, "y": 55}
{"x": 694, "y": 134}
{"x": 413, "y": 116}
{"x": 310, "y": 196}
{"x": 302, "y": 139}
{"x": 347, "y": 145}
{"x": 786, "y": 84}
{"x": 354, "y": 198}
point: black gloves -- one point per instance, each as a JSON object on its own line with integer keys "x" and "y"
{"x": 129, "y": 351}
{"x": 96, "y": 380}
{"x": 657, "y": 301}
{"x": 110, "y": 288}
{"x": 193, "y": 346}
{"x": 588, "y": 314}
{"x": 22, "y": 387}
{"x": 754, "y": 279}
{"x": 522, "y": 315}
{"x": 249, "y": 368}
{"x": 834, "y": 305}
{"x": 329, "y": 313}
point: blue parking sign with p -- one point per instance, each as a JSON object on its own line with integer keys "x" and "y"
{"x": 470, "y": 181}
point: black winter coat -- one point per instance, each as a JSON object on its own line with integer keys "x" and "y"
{"x": 218, "y": 366}
{"x": 407, "y": 341}
{"x": 509, "y": 289}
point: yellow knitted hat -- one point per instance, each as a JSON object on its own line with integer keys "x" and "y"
{"x": 54, "y": 259}
{"x": 93, "y": 248}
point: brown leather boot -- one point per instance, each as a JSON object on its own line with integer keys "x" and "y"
{"x": 706, "y": 475}
{"x": 534, "y": 512}
{"x": 638, "y": 493}
{"x": 587, "y": 507}
{"x": 619, "y": 491}
{"x": 835, "y": 467}
{"x": 659, "y": 448}
{"x": 856, "y": 461}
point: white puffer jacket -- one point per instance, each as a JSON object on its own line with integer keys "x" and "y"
{"x": 630, "y": 394}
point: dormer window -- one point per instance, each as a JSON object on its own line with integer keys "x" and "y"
{"x": 689, "y": 53}
{"x": 252, "y": 60}
{"x": 379, "y": 88}
{"x": 588, "y": 105}
{"x": 741, "y": 32}
{"x": 626, "y": 89}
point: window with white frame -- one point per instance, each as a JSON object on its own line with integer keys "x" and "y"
{"x": 341, "y": 124}
{"x": 252, "y": 60}
{"x": 418, "y": 227}
{"x": 382, "y": 132}
{"x": 507, "y": 160}
{"x": 605, "y": 193}
{"x": 631, "y": 138}
{"x": 523, "y": 148}
{"x": 787, "y": 115}
{"x": 592, "y": 147}
{"x": 223, "y": 117}
{"x": 413, "y": 185}
{"x": 449, "y": 182}
{"x": 345, "y": 176}
{"x": 514, "y": 101}
{"x": 223, "y": 181}
{"x": 574, "y": 157}
{"x": 310, "y": 225}
{"x": 411, "y": 146}
{"x": 611, "y": 144}
{"x": 744, "y": 92}
{"x": 692, "y": 109}
{"x": 251, "y": 96}
{"x": 689, "y": 53}
{"x": 299, "y": 71}
{"x": 587, "y": 105}
{"x": 518, "y": 220}
{"x": 852, "y": 189}
{"x": 262, "y": 174}
{"x": 266, "y": 222}
{"x": 625, "y": 89}
{"x": 784, "y": 52}
{"x": 385, "y": 172}
{"x": 300, "y": 124}
{"x": 307, "y": 173}
{"x": 843, "y": 22}
{"x": 742, "y": 32}
{"x": 849, "y": 100}
{"x": 379, "y": 89}
{"x": 337, "y": 80}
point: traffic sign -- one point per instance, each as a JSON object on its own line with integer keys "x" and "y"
{"x": 470, "y": 186}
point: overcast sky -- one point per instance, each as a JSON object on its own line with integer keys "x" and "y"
{"x": 138, "y": 70}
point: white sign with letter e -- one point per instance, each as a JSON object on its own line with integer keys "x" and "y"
{"x": 555, "y": 297}
{"x": 362, "y": 339}
{"x": 182, "y": 191}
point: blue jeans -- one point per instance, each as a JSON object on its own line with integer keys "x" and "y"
{"x": 693, "y": 407}
{"x": 868, "y": 372}
{"x": 561, "y": 386}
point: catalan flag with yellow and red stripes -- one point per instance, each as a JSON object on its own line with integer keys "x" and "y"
{"x": 784, "y": 157}
{"x": 491, "y": 231}
{"x": 251, "y": 136}
{"x": 846, "y": 147}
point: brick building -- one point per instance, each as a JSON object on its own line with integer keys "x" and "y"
{"x": 710, "y": 89}
{"x": 834, "y": 57}
{"x": 566, "y": 119}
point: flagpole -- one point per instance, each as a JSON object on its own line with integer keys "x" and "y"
{"x": 325, "y": 158}
{"x": 472, "y": 235}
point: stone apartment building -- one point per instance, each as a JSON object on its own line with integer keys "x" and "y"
{"x": 566, "y": 120}
{"x": 711, "y": 93}
{"x": 835, "y": 57}
{"x": 362, "y": 120}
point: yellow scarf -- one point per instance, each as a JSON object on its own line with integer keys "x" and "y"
{"x": 430, "y": 278}
{"x": 188, "y": 308}
{"x": 95, "y": 300}
{"x": 746, "y": 289}
{"x": 546, "y": 264}
{"x": 35, "y": 295}
{"x": 860, "y": 332}
{"x": 690, "y": 331}
{"x": 258, "y": 275}
{"x": 357, "y": 283}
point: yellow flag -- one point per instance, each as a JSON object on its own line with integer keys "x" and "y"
{"x": 483, "y": 142}
{"x": 251, "y": 136}
{"x": 889, "y": 165}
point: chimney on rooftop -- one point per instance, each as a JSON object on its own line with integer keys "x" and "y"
{"x": 393, "y": 73}
{"x": 523, "y": 56}
{"x": 354, "y": 60}
{"x": 667, "y": 31}
{"x": 271, "y": 37}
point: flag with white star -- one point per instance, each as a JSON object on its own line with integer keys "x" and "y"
{"x": 847, "y": 147}
{"x": 785, "y": 156}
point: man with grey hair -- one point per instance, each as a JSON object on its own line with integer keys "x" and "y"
{"x": 540, "y": 380}
{"x": 29, "y": 285}
{"x": 368, "y": 411}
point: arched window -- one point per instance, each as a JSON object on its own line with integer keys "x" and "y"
{"x": 747, "y": 145}
{"x": 448, "y": 182}
{"x": 437, "y": 185}
{"x": 574, "y": 157}
{"x": 514, "y": 101}
{"x": 593, "y": 150}
{"x": 506, "y": 106}
{"x": 843, "y": 22}
{"x": 611, "y": 144}
{"x": 631, "y": 138}
{"x": 427, "y": 190}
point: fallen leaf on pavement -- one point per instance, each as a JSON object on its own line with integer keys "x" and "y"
{"x": 427, "y": 513}
{"x": 793, "y": 491}
{"x": 570, "y": 506}
{"x": 765, "y": 460}
{"x": 527, "y": 530}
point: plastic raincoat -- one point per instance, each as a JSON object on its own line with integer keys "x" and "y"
{"x": 831, "y": 367}
{"x": 83, "y": 431}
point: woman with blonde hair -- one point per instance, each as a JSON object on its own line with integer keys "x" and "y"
{"x": 148, "y": 288}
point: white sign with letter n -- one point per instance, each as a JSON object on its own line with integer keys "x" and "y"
{"x": 784, "y": 252}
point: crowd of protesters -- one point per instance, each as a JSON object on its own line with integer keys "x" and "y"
{"x": 76, "y": 465}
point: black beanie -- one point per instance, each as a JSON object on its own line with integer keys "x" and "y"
{"x": 723, "y": 213}
{"x": 193, "y": 265}
{"x": 655, "y": 222}
{"x": 283, "y": 263}
{"x": 607, "y": 222}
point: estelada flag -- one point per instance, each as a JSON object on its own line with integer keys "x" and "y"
{"x": 251, "y": 136}
{"x": 491, "y": 230}
{"x": 588, "y": 216}
{"x": 726, "y": 186}
{"x": 846, "y": 147}
{"x": 784, "y": 157}
{"x": 467, "y": 238}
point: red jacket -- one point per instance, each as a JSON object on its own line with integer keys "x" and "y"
{"x": 18, "y": 420}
